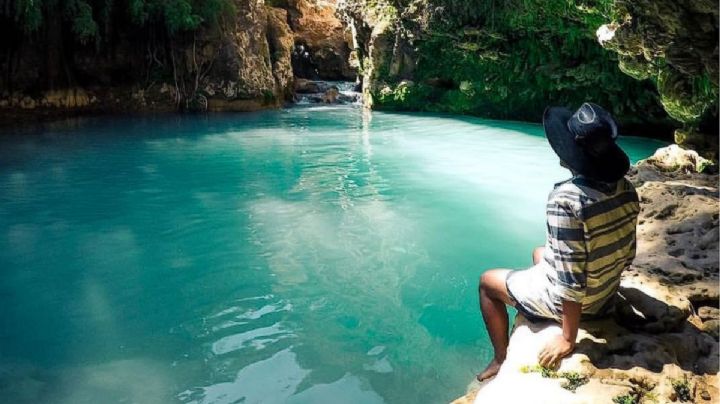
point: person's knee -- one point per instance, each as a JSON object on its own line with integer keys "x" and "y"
{"x": 537, "y": 254}
{"x": 487, "y": 280}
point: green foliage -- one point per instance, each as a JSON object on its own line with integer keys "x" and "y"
{"x": 85, "y": 16}
{"x": 635, "y": 68}
{"x": 407, "y": 95}
{"x": 29, "y": 14}
{"x": 80, "y": 14}
{"x": 139, "y": 11}
{"x": 573, "y": 380}
{"x": 511, "y": 59}
{"x": 637, "y": 394}
{"x": 626, "y": 399}
{"x": 268, "y": 97}
{"x": 682, "y": 389}
{"x": 685, "y": 100}
{"x": 277, "y": 3}
{"x": 180, "y": 16}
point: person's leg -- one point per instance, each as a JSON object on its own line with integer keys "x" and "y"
{"x": 493, "y": 298}
{"x": 537, "y": 255}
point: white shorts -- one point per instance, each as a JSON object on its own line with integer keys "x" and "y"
{"x": 530, "y": 292}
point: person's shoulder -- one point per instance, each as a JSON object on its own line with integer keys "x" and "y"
{"x": 625, "y": 185}
{"x": 572, "y": 189}
{"x": 569, "y": 194}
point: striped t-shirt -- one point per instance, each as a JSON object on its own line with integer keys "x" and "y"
{"x": 590, "y": 240}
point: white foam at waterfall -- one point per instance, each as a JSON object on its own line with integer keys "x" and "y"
{"x": 346, "y": 90}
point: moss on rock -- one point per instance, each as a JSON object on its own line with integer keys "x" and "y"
{"x": 674, "y": 43}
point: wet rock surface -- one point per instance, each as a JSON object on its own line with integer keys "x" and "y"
{"x": 326, "y": 92}
{"x": 280, "y": 41}
{"x": 322, "y": 43}
{"x": 241, "y": 68}
{"x": 665, "y": 326}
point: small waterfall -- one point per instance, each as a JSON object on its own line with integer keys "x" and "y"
{"x": 327, "y": 92}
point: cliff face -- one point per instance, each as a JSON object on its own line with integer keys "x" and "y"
{"x": 240, "y": 58}
{"x": 510, "y": 60}
{"x": 322, "y": 43}
{"x": 249, "y": 64}
{"x": 384, "y": 45}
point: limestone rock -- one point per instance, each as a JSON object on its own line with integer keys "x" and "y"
{"x": 281, "y": 41}
{"x": 68, "y": 98}
{"x": 304, "y": 86}
{"x": 709, "y": 313}
{"x": 27, "y": 103}
{"x": 691, "y": 138}
{"x": 673, "y": 158}
{"x": 675, "y": 43}
{"x": 384, "y": 46}
{"x": 322, "y": 44}
{"x": 241, "y": 66}
{"x": 331, "y": 95}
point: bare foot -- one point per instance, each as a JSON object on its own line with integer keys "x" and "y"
{"x": 491, "y": 370}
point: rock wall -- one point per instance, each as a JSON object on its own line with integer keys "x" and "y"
{"x": 674, "y": 43}
{"x": 243, "y": 74}
{"x": 322, "y": 43}
{"x": 244, "y": 62}
{"x": 383, "y": 45}
{"x": 281, "y": 42}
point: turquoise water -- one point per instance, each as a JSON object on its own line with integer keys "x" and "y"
{"x": 310, "y": 255}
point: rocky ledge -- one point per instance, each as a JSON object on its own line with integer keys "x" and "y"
{"x": 661, "y": 345}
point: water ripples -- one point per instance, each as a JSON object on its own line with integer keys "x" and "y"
{"x": 319, "y": 254}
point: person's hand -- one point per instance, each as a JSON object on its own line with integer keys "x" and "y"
{"x": 556, "y": 349}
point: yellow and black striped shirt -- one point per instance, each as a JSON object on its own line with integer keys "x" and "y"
{"x": 590, "y": 240}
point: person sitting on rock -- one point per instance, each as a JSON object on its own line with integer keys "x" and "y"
{"x": 591, "y": 222}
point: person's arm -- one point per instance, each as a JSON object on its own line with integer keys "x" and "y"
{"x": 562, "y": 345}
{"x": 566, "y": 237}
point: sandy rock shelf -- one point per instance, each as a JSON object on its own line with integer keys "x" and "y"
{"x": 665, "y": 326}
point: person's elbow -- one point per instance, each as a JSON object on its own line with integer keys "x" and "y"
{"x": 571, "y": 292}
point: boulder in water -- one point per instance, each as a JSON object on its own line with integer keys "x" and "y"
{"x": 304, "y": 86}
{"x": 331, "y": 95}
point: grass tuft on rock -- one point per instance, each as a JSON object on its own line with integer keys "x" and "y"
{"x": 626, "y": 399}
{"x": 573, "y": 380}
{"x": 683, "y": 390}
{"x": 637, "y": 395}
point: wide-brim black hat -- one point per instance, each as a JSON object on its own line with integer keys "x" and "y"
{"x": 586, "y": 145}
